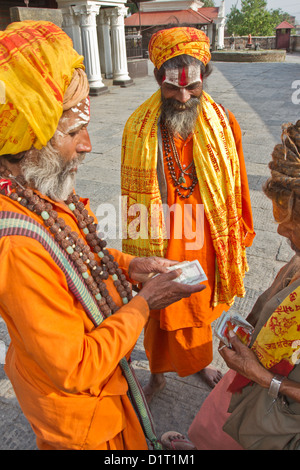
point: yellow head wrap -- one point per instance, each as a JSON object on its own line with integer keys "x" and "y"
{"x": 169, "y": 43}
{"x": 37, "y": 64}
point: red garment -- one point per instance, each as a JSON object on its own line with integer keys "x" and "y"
{"x": 206, "y": 431}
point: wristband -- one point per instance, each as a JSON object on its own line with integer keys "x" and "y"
{"x": 275, "y": 386}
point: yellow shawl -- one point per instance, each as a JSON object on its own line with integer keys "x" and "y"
{"x": 218, "y": 173}
{"x": 277, "y": 345}
{"x": 279, "y": 338}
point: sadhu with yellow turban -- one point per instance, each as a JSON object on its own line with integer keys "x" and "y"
{"x": 37, "y": 66}
{"x": 68, "y": 354}
{"x": 183, "y": 151}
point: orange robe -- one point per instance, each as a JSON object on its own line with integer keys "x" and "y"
{"x": 179, "y": 337}
{"x": 64, "y": 371}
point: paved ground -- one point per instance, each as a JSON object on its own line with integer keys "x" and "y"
{"x": 262, "y": 96}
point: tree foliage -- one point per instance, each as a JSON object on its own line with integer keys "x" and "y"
{"x": 208, "y": 3}
{"x": 133, "y": 8}
{"x": 254, "y": 19}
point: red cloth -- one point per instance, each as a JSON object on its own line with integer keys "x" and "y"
{"x": 206, "y": 431}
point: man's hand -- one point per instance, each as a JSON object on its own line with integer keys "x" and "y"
{"x": 244, "y": 361}
{"x": 163, "y": 290}
{"x": 142, "y": 269}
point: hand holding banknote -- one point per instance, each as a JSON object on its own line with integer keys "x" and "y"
{"x": 192, "y": 272}
{"x": 161, "y": 290}
{"x": 141, "y": 269}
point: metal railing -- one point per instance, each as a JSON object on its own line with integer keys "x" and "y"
{"x": 134, "y": 46}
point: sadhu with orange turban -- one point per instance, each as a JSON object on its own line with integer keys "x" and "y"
{"x": 68, "y": 355}
{"x": 183, "y": 151}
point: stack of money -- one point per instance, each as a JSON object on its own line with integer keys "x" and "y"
{"x": 192, "y": 272}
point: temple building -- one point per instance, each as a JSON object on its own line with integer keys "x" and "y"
{"x": 97, "y": 28}
{"x": 156, "y": 14}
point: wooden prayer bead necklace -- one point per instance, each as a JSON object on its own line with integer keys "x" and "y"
{"x": 93, "y": 272}
{"x": 168, "y": 143}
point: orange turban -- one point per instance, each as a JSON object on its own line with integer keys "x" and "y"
{"x": 169, "y": 43}
{"x": 37, "y": 63}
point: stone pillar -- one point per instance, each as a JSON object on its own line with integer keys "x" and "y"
{"x": 119, "y": 56}
{"x": 220, "y": 43}
{"x": 88, "y": 25}
{"x": 72, "y": 28}
{"x": 103, "y": 22}
{"x": 221, "y": 20}
{"x": 209, "y": 33}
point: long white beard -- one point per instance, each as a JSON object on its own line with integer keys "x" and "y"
{"x": 180, "y": 118}
{"x": 48, "y": 173}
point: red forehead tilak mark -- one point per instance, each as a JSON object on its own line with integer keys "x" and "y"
{"x": 183, "y": 78}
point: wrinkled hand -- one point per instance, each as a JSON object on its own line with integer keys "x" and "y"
{"x": 142, "y": 269}
{"x": 163, "y": 290}
{"x": 244, "y": 361}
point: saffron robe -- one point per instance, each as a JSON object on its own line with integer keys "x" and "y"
{"x": 218, "y": 172}
{"x": 179, "y": 337}
{"x": 64, "y": 371}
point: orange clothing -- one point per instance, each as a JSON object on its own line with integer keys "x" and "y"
{"x": 179, "y": 338}
{"x": 64, "y": 371}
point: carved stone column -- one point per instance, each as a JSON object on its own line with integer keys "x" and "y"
{"x": 72, "y": 28}
{"x": 119, "y": 56}
{"x": 221, "y": 21}
{"x": 103, "y": 22}
{"x": 87, "y": 14}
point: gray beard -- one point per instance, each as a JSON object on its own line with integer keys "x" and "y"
{"x": 49, "y": 174}
{"x": 180, "y": 121}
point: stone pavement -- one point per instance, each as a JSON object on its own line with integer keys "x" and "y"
{"x": 262, "y": 97}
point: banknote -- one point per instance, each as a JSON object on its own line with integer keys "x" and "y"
{"x": 235, "y": 322}
{"x": 192, "y": 272}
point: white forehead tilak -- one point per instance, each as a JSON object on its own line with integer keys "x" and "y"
{"x": 82, "y": 118}
{"x": 183, "y": 77}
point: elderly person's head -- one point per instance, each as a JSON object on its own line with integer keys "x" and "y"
{"x": 283, "y": 188}
{"x": 43, "y": 135}
{"x": 180, "y": 56}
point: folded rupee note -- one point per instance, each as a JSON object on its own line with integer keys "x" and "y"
{"x": 192, "y": 272}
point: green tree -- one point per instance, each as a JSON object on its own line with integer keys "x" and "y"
{"x": 132, "y": 7}
{"x": 208, "y": 3}
{"x": 254, "y": 18}
{"x": 234, "y": 21}
{"x": 278, "y": 16}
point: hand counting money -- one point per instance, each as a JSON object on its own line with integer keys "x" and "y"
{"x": 237, "y": 324}
{"x": 192, "y": 272}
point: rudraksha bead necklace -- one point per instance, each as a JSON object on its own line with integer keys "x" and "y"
{"x": 178, "y": 183}
{"x": 82, "y": 254}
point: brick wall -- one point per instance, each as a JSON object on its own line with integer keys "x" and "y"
{"x": 265, "y": 42}
{"x": 295, "y": 43}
